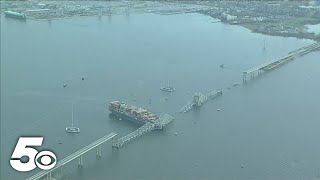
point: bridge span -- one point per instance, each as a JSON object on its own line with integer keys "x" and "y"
{"x": 48, "y": 174}
{"x": 252, "y": 72}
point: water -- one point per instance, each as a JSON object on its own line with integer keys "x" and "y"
{"x": 314, "y": 28}
{"x": 266, "y": 129}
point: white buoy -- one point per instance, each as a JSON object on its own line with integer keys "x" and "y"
{"x": 176, "y": 133}
{"x": 120, "y": 119}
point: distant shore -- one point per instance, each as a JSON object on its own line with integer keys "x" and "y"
{"x": 276, "y": 18}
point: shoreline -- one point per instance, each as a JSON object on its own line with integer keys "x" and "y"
{"x": 274, "y": 18}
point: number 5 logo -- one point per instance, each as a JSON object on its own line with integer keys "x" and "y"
{"x": 44, "y": 159}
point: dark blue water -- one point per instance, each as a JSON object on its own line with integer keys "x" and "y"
{"x": 266, "y": 129}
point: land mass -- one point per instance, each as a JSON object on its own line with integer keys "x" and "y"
{"x": 279, "y": 18}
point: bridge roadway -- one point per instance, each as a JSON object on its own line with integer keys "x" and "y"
{"x": 289, "y": 57}
{"x": 198, "y": 99}
{"x": 73, "y": 156}
{"x": 164, "y": 119}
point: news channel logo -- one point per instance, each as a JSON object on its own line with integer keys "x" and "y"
{"x": 25, "y": 149}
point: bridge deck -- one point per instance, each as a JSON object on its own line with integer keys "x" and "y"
{"x": 186, "y": 107}
{"x": 214, "y": 93}
{"x": 73, "y": 156}
{"x": 164, "y": 120}
{"x": 290, "y": 56}
{"x": 137, "y": 133}
{"x": 202, "y": 98}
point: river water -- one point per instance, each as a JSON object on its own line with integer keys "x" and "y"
{"x": 267, "y": 128}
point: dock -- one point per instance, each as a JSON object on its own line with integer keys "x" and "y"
{"x": 198, "y": 99}
{"x": 57, "y": 170}
{"x": 275, "y": 64}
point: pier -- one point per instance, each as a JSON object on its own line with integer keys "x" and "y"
{"x": 57, "y": 170}
{"x": 198, "y": 99}
{"x": 275, "y": 64}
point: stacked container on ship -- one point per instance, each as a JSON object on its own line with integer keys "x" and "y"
{"x": 132, "y": 113}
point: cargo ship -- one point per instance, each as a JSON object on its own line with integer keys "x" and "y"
{"x": 132, "y": 113}
{"x": 15, "y": 15}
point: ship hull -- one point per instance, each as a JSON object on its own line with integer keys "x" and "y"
{"x": 129, "y": 118}
{"x": 15, "y": 15}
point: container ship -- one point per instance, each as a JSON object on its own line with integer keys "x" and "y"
{"x": 132, "y": 113}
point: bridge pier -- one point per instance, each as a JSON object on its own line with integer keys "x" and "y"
{"x": 99, "y": 151}
{"x": 80, "y": 161}
{"x": 115, "y": 141}
{"x": 49, "y": 176}
{"x": 60, "y": 173}
{"x": 244, "y": 77}
{"x": 252, "y": 74}
{"x": 259, "y": 72}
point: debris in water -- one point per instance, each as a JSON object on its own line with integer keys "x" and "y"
{"x": 176, "y": 133}
{"x": 218, "y": 109}
{"x": 65, "y": 85}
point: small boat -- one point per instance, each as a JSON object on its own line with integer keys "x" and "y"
{"x": 168, "y": 88}
{"x": 72, "y": 129}
{"x": 65, "y": 85}
{"x": 222, "y": 66}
